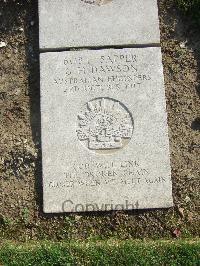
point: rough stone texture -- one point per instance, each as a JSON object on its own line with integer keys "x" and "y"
{"x": 86, "y": 23}
{"x": 104, "y": 130}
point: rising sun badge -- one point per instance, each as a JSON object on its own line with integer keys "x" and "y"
{"x": 105, "y": 124}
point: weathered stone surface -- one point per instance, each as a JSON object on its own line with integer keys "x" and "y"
{"x": 82, "y": 23}
{"x": 104, "y": 130}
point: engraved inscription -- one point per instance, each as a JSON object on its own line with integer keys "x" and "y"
{"x": 100, "y": 173}
{"x": 96, "y": 2}
{"x": 117, "y": 72}
{"x": 96, "y": 174}
{"x": 105, "y": 124}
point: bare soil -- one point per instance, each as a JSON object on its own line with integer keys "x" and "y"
{"x": 21, "y": 216}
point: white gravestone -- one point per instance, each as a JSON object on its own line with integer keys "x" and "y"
{"x": 87, "y": 23}
{"x": 104, "y": 130}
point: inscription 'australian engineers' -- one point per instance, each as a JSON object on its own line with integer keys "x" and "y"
{"x": 104, "y": 73}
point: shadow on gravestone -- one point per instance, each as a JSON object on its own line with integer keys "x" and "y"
{"x": 32, "y": 56}
{"x": 191, "y": 30}
{"x": 188, "y": 33}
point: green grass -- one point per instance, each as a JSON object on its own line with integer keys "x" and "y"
{"x": 190, "y": 8}
{"x": 102, "y": 253}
